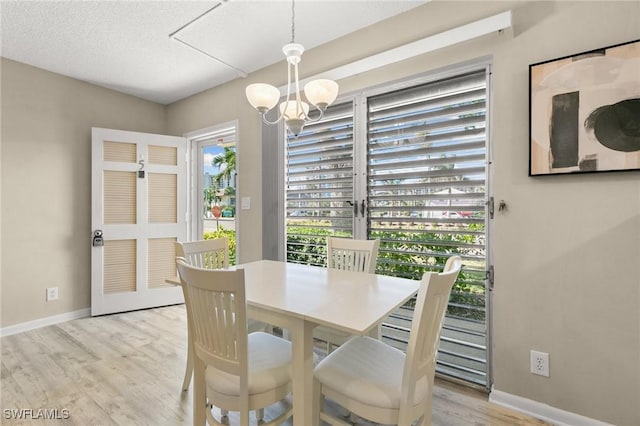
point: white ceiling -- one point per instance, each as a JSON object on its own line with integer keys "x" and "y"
{"x": 125, "y": 45}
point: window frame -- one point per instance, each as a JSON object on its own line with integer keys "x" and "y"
{"x": 360, "y": 190}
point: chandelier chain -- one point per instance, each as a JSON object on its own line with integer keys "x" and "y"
{"x": 293, "y": 21}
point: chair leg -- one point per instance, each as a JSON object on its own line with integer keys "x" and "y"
{"x": 244, "y": 418}
{"x": 199, "y": 396}
{"x": 429, "y": 405}
{"x": 317, "y": 402}
{"x": 189, "y": 370}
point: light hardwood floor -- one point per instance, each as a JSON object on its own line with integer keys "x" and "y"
{"x": 127, "y": 369}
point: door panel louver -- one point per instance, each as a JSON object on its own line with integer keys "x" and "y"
{"x": 426, "y": 171}
{"x": 119, "y": 266}
{"x": 119, "y": 197}
{"x": 121, "y": 152}
{"x": 161, "y": 262}
{"x": 166, "y": 155}
{"x": 163, "y": 191}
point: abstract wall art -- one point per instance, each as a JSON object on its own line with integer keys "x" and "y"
{"x": 584, "y": 112}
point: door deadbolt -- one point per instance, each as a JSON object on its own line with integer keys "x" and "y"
{"x": 97, "y": 241}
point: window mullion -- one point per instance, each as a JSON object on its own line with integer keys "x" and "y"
{"x": 360, "y": 167}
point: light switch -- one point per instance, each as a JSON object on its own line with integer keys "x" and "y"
{"x": 245, "y": 203}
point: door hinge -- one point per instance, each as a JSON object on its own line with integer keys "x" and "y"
{"x": 489, "y": 276}
{"x": 491, "y": 207}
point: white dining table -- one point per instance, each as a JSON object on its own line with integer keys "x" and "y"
{"x": 299, "y": 297}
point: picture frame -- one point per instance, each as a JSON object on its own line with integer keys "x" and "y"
{"x": 584, "y": 112}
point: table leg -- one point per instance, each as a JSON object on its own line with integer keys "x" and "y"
{"x": 302, "y": 342}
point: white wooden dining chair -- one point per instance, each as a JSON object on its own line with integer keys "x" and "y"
{"x": 350, "y": 255}
{"x": 234, "y": 370}
{"x": 379, "y": 382}
{"x": 210, "y": 254}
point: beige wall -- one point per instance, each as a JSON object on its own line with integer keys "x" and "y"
{"x": 46, "y": 184}
{"x": 217, "y": 106}
{"x": 567, "y": 251}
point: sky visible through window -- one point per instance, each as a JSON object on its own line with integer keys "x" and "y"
{"x": 209, "y": 153}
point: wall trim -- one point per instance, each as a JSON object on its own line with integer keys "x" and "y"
{"x": 473, "y": 30}
{"x": 43, "y": 322}
{"x": 541, "y": 411}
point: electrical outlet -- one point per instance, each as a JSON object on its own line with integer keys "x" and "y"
{"x": 52, "y": 293}
{"x": 540, "y": 363}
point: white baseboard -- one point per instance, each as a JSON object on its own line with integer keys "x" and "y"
{"x": 541, "y": 411}
{"x": 43, "y": 322}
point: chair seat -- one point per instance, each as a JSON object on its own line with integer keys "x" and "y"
{"x": 269, "y": 367}
{"x": 368, "y": 371}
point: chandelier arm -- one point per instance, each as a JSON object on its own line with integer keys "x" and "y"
{"x": 318, "y": 118}
{"x": 299, "y": 111}
{"x": 288, "y": 83}
{"x": 279, "y": 119}
{"x": 286, "y": 101}
{"x": 280, "y": 113}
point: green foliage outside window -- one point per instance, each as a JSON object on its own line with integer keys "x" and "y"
{"x": 409, "y": 255}
{"x": 225, "y": 233}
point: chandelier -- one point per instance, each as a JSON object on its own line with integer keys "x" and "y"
{"x": 294, "y": 111}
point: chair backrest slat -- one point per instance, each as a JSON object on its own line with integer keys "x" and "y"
{"x": 210, "y": 254}
{"x": 428, "y": 317}
{"x": 216, "y": 305}
{"x": 352, "y": 255}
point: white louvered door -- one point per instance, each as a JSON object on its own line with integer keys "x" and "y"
{"x": 139, "y": 201}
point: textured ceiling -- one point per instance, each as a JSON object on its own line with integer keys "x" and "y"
{"x": 125, "y": 45}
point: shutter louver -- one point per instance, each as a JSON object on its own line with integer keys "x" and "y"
{"x": 426, "y": 192}
{"x": 425, "y": 181}
{"x": 319, "y": 185}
